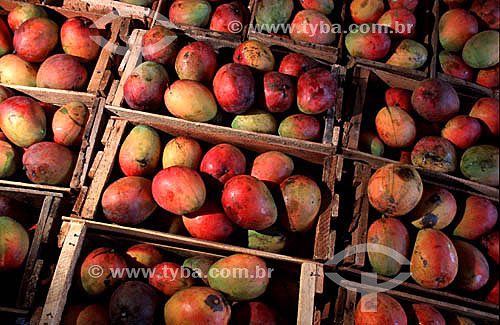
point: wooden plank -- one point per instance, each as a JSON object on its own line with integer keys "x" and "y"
{"x": 30, "y": 192}
{"x": 353, "y": 129}
{"x": 307, "y": 290}
{"x": 106, "y": 6}
{"x": 468, "y": 86}
{"x": 55, "y": 96}
{"x": 63, "y": 275}
{"x": 435, "y": 39}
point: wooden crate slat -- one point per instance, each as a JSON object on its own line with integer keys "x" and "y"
{"x": 307, "y": 290}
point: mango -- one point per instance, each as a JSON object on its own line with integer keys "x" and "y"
{"x": 273, "y": 167}
{"x": 190, "y": 12}
{"x": 435, "y": 153}
{"x": 94, "y": 284}
{"x": 78, "y": 38}
{"x": 68, "y": 124}
{"x": 473, "y": 268}
{"x": 481, "y": 50}
{"x": 168, "y": 278}
{"x": 486, "y": 110}
{"x": 133, "y": 302}
{"x": 5, "y": 93}
{"x": 23, "y": 12}
{"x": 145, "y": 87}
{"x": 300, "y": 126}
{"x": 143, "y": 255}
{"x": 479, "y": 218}
{"x": 62, "y": 71}
{"x": 254, "y": 313}
{"x": 271, "y": 240}
{"x": 256, "y": 120}
{"x": 323, "y": 6}
{"x": 7, "y": 160}
{"x": 295, "y": 64}
{"x": 427, "y": 314}
{"x": 379, "y": 308}
{"x": 49, "y": 163}
{"x": 255, "y": 55}
{"x": 160, "y": 45}
{"x": 369, "y": 142}
{"x": 35, "y": 39}
{"x": 5, "y": 39}
{"x": 14, "y": 244}
{"x": 199, "y": 265}
{"x": 366, "y": 11}
{"x": 196, "y": 61}
{"x": 436, "y": 209}
{"x": 488, "y": 12}
{"x": 271, "y": 13}
{"x": 395, "y": 127}
{"x": 393, "y": 18}
{"x": 399, "y": 97}
{"x": 234, "y": 88}
{"x": 435, "y": 100}
{"x": 82, "y": 314}
{"x": 409, "y": 54}
{"x": 140, "y": 152}
{"x": 480, "y": 164}
{"x": 251, "y": 285}
{"x": 460, "y": 320}
{"x": 222, "y": 162}
{"x": 309, "y": 26}
{"x": 190, "y": 100}
{"x": 316, "y": 91}
{"x": 488, "y": 77}
{"x": 408, "y": 4}
{"x": 182, "y": 151}
{"x": 16, "y": 71}
{"x": 209, "y": 223}
{"x": 456, "y": 26}
{"x": 454, "y": 66}
{"x": 373, "y": 45}
{"x": 463, "y": 131}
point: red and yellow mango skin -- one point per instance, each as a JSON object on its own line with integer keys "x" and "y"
{"x": 488, "y": 12}
{"x": 316, "y": 91}
{"x": 435, "y": 153}
{"x": 300, "y": 126}
{"x": 324, "y": 6}
{"x": 16, "y": 71}
{"x": 463, "y": 131}
{"x": 77, "y": 35}
{"x": 168, "y": 278}
{"x": 426, "y": 315}
{"x": 456, "y": 26}
{"x": 409, "y": 54}
{"x": 253, "y": 312}
{"x": 373, "y": 45}
{"x": 190, "y": 100}
{"x": 143, "y": 255}
{"x": 199, "y": 265}
{"x": 133, "y": 302}
{"x": 49, "y": 163}
{"x": 473, "y": 269}
{"x": 68, "y": 124}
{"x": 209, "y": 223}
{"x": 225, "y": 15}
{"x": 62, "y": 71}
{"x": 234, "y": 88}
{"x": 486, "y": 109}
{"x": 408, "y": 4}
{"x": 22, "y": 121}
{"x": 480, "y": 217}
{"x": 460, "y": 320}
{"x": 302, "y": 197}
{"x": 160, "y": 45}
{"x": 395, "y": 127}
{"x": 179, "y": 190}
{"x": 434, "y": 262}
{"x": 196, "y": 61}
{"x": 279, "y": 91}
{"x": 8, "y": 160}
{"x": 85, "y": 315}
{"x": 490, "y": 242}
{"x": 398, "y": 97}
{"x": 223, "y": 162}
{"x": 35, "y": 39}
{"x": 399, "y": 16}
{"x": 197, "y": 305}
{"x": 255, "y": 55}
{"x": 235, "y": 286}
{"x": 6, "y": 45}
{"x": 23, "y": 12}
{"x": 249, "y": 203}
{"x": 492, "y": 297}
{"x": 145, "y": 87}
{"x": 108, "y": 260}
{"x": 14, "y": 244}
{"x": 436, "y": 209}
{"x": 369, "y": 142}
{"x": 182, "y": 151}
{"x": 128, "y": 201}
{"x": 273, "y": 167}
{"x": 488, "y": 77}
{"x": 481, "y": 164}
{"x": 366, "y": 11}
{"x": 379, "y": 308}
{"x": 454, "y": 66}
{"x": 395, "y": 189}
{"x": 435, "y": 100}
{"x": 190, "y": 12}
{"x": 295, "y": 64}
{"x": 389, "y": 232}
{"x": 256, "y": 120}
{"x": 140, "y": 152}
{"x": 307, "y": 25}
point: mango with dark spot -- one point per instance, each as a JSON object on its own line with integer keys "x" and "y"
{"x": 480, "y": 164}
{"x": 473, "y": 268}
{"x": 36, "y": 38}
{"x": 168, "y": 278}
{"x": 199, "y": 265}
{"x": 234, "y": 88}
{"x": 190, "y": 12}
{"x": 366, "y": 11}
{"x": 486, "y": 109}
{"x": 409, "y": 54}
{"x": 395, "y": 127}
{"x": 133, "y": 302}
{"x": 237, "y": 287}
{"x": 23, "y": 12}
{"x": 273, "y": 167}
{"x": 160, "y": 45}
{"x": 196, "y": 61}
{"x": 369, "y": 142}
{"x": 395, "y": 189}
{"x": 143, "y": 256}
{"x": 253, "y": 312}
{"x": 435, "y": 153}
{"x": 62, "y": 71}
{"x": 436, "y": 209}
{"x": 255, "y": 55}
{"x": 68, "y": 124}
{"x": 316, "y": 91}
{"x": 95, "y": 282}
{"x": 14, "y": 244}
{"x": 197, "y": 305}
{"x": 480, "y": 217}
{"x": 209, "y": 223}
{"x": 490, "y": 243}
{"x": 434, "y": 262}
{"x": 379, "y": 308}
{"x": 392, "y": 234}
{"x": 488, "y": 77}
{"x": 272, "y": 239}
{"x": 279, "y": 92}
{"x": 128, "y": 201}
{"x": 255, "y": 120}
{"x": 85, "y": 314}
{"x": 456, "y": 26}
{"x": 373, "y": 45}
{"x": 22, "y": 121}
{"x": 16, "y": 71}
{"x": 249, "y": 203}
{"x": 225, "y": 16}
{"x": 393, "y": 18}
{"x": 427, "y": 314}
{"x": 295, "y": 64}
{"x": 223, "y": 162}
{"x": 144, "y": 88}
{"x": 481, "y": 50}
{"x": 309, "y": 26}
{"x": 179, "y": 190}
{"x": 453, "y": 65}
{"x": 273, "y": 13}
{"x": 140, "y": 152}
{"x": 182, "y": 151}
{"x": 399, "y": 97}
{"x": 435, "y": 100}
{"x": 49, "y": 163}
{"x": 78, "y": 38}
{"x": 8, "y": 160}
{"x": 300, "y": 126}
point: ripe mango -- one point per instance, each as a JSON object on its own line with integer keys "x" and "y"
{"x": 256, "y": 120}
{"x": 409, "y": 54}
{"x": 140, "y": 152}
{"x": 481, "y": 50}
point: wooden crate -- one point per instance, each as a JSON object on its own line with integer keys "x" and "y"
{"x": 318, "y": 243}
{"x": 330, "y": 132}
{"x": 356, "y": 263}
{"x": 80, "y": 237}
{"x": 330, "y": 53}
{"x": 21, "y": 286}
{"x": 100, "y": 74}
{"x": 427, "y": 34}
{"x": 370, "y": 84}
